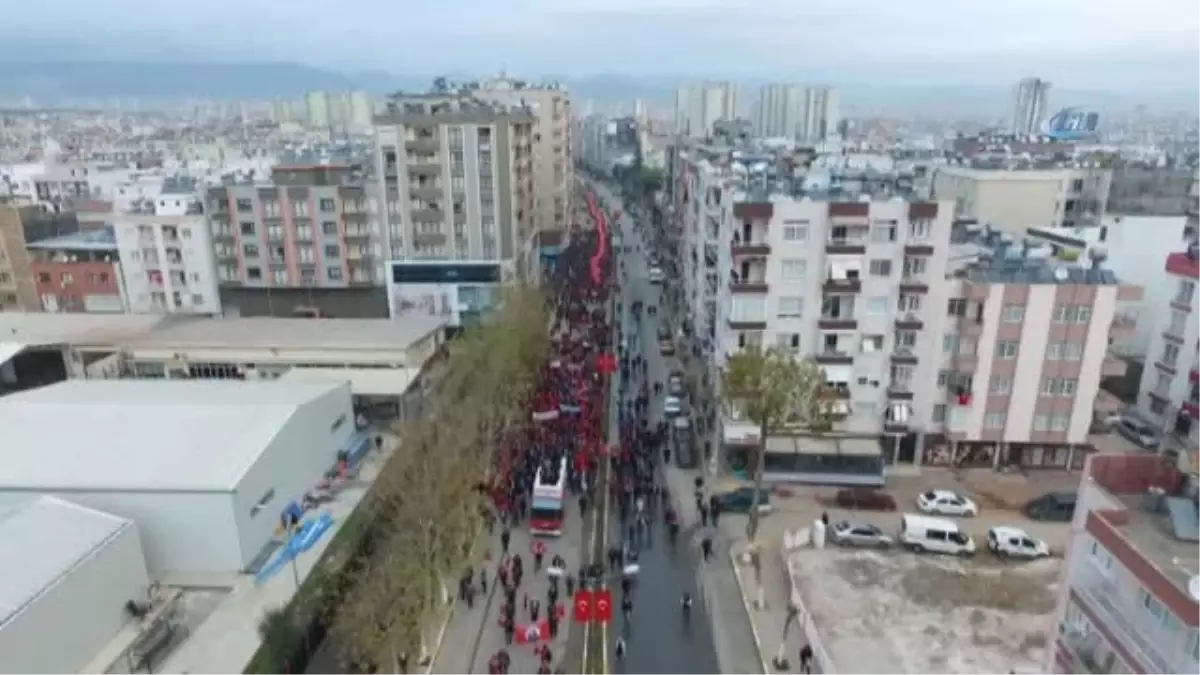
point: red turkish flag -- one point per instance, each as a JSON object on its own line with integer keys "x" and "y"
{"x": 607, "y": 364}
{"x": 583, "y": 605}
{"x": 604, "y": 605}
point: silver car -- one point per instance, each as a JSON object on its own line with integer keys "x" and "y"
{"x": 859, "y": 535}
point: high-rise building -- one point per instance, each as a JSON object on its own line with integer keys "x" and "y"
{"x": 361, "y": 112}
{"x": 553, "y": 166}
{"x": 456, "y": 178}
{"x": 820, "y": 114}
{"x": 698, "y": 108}
{"x": 779, "y": 111}
{"x": 320, "y": 115}
{"x": 1029, "y": 105}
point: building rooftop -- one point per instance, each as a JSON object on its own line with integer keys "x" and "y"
{"x": 173, "y": 435}
{"x": 989, "y": 256}
{"x": 44, "y": 538}
{"x": 280, "y": 333}
{"x": 103, "y": 239}
{"x": 36, "y": 328}
{"x": 1164, "y": 531}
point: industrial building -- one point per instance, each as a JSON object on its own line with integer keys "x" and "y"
{"x": 203, "y": 467}
{"x": 69, "y": 573}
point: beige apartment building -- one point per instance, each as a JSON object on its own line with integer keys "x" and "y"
{"x": 553, "y": 168}
{"x": 1015, "y": 199}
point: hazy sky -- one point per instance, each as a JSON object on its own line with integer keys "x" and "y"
{"x": 1082, "y": 43}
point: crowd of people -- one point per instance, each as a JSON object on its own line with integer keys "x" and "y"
{"x": 566, "y": 428}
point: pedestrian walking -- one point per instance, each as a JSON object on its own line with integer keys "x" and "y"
{"x": 504, "y": 539}
{"x": 703, "y": 515}
{"x": 706, "y": 547}
{"x": 806, "y": 656}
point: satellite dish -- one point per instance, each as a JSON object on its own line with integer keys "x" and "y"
{"x": 1061, "y": 273}
{"x": 1194, "y": 586}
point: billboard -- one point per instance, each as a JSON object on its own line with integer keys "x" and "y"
{"x": 455, "y": 292}
{"x": 1071, "y": 124}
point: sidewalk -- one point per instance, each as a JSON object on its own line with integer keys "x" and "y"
{"x": 473, "y": 635}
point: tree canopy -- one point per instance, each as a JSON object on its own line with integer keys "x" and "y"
{"x": 425, "y": 504}
{"x": 774, "y": 389}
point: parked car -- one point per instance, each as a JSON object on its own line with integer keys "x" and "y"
{"x": 865, "y": 499}
{"x": 861, "y": 535}
{"x": 666, "y": 344}
{"x": 1138, "y": 431}
{"x": 672, "y": 405}
{"x": 656, "y": 275}
{"x": 739, "y": 500}
{"x": 1014, "y": 542}
{"x": 946, "y": 503}
{"x": 1052, "y": 506}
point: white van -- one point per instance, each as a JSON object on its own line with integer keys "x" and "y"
{"x": 656, "y": 275}
{"x": 937, "y": 535}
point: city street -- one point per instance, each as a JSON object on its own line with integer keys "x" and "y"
{"x": 658, "y": 638}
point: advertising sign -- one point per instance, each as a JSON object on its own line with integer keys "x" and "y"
{"x": 453, "y": 292}
{"x": 1071, "y": 124}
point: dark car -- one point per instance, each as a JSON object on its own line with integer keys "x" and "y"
{"x": 738, "y": 501}
{"x": 1052, "y": 506}
{"x": 865, "y": 499}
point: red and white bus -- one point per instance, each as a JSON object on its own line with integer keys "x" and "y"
{"x": 546, "y": 512}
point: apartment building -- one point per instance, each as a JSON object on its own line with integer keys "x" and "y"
{"x": 778, "y": 111}
{"x": 699, "y": 108}
{"x": 1015, "y": 197}
{"x": 1127, "y": 599}
{"x": 168, "y": 264}
{"x": 20, "y": 224}
{"x": 958, "y": 345}
{"x": 456, "y": 178}
{"x": 1169, "y": 391}
{"x": 553, "y": 168}
{"x": 1029, "y": 105}
{"x": 79, "y": 273}
{"x": 822, "y": 115}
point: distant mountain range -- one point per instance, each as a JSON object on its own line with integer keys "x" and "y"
{"x": 51, "y": 83}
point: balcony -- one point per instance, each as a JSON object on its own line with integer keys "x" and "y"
{"x": 1099, "y": 597}
{"x": 904, "y": 356}
{"x": 750, "y": 248}
{"x": 425, "y": 167}
{"x": 428, "y": 215}
{"x": 899, "y": 391}
{"x": 427, "y": 190}
{"x": 358, "y": 233}
{"x": 431, "y": 240}
{"x": 736, "y": 286}
{"x": 1112, "y": 366}
{"x": 744, "y": 323}
{"x": 424, "y": 144}
{"x": 843, "y": 284}
{"x": 909, "y": 321}
{"x": 846, "y": 246}
{"x": 834, "y": 357}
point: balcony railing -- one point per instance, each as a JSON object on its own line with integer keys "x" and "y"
{"x": 1122, "y": 617}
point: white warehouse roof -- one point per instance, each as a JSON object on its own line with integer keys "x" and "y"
{"x": 43, "y": 539}
{"x": 151, "y": 435}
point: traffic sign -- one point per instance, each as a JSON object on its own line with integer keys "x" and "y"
{"x": 583, "y": 605}
{"x": 604, "y": 605}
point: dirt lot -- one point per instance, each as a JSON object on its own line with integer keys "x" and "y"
{"x": 903, "y": 613}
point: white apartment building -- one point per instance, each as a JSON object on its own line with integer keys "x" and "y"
{"x": 1029, "y": 105}
{"x": 1015, "y": 199}
{"x": 362, "y": 109}
{"x": 455, "y": 178}
{"x": 319, "y": 110}
{"x": 698, "y": 108}
{"x": 820, "y": 115}
{"x": 167, "y": 262}
{"x": 553, "y": 168}
{"x": 778, "y": 111}
{"x": 1169, "y": 392}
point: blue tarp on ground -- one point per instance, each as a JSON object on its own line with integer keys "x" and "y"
{"x": 305, "y": 537}
{"x": 357, "y": 445}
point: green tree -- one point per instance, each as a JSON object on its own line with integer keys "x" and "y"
{"x": 425, "y": 507}
{"x": 776, "y": 391}
{"x": 280, "y": 636}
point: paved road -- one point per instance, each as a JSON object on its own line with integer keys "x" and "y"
{"x": 658, "y": 639}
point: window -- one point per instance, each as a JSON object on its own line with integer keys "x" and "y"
{"x": 994, "y": 421}
{"x": 788, "y": 341}
{"x": 187, "y": 233}
{"x": 795, "y": 233}
{"x": 790, "y": 306}
{"x": 939, "y": 413}
{"x": 1058, "y": 386}
{"x": 333, "y": 251}
{"x": 334, "y": 273}
{"x": 1041, "y": 423}
{"x": 1157, "y": 405}
{"x": 1014, "y": 313}
{"x": 881, "y": 268}
{"x": 254, "y": 273}
{"x": 247, "y": 228}
{"x": 943, "y": 378}
{"x": 1059, "y": 423}
{"x": 1178, "y": 324}
{"x": 197, "y": 299}
{"x": 1054, "y": 351}
{"x": 872, "y": 343}
{"x": 250, "y": 250}
{"x": 956, "y": 307}
{"x": 1101, "y": 558}
{"x": 245, "y": 206}
{"x": 918, "y": 230}
{"x": 877, "y": 305}
{"x": 1072, "y": 351}
{"x": 328, "y": 205}
{"x": 1006, "y": 349}
{"x": 279, "y": 276}
{"x": 1000, "y": 385}
{"x": 915, "y": 267}
{"x": 793, "y": 270}
{"x": 883, "y": 232}
{"x": 909, "y": 304}
{"x": 1170, "y": 354}
{"x": 1155, "y": 608}
{"x": 906, "y": 339}
{"x": 1187, "y": 289}
{"x": 950, "y": 343}
{"x": 1162, "y": 382}
{"x": 329, "y": 227}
